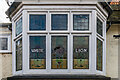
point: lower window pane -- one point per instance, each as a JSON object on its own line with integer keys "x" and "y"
{"x": 99, "y": 54}
{"x": 80, "y": 52}
{"x": 59, "y": 52}
{"x": 19, "y": 55}
{"x": 37, "y": 52}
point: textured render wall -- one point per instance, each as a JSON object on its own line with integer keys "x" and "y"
{"x": 0, "y": 66}
{"x": 112, "y": 52}
{"x": 6, "y": 65}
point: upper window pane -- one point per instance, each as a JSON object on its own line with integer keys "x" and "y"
{"x": 37, "y": 22}
{"x": 19, "y": 55}
{"x": 59, "y": 52}
{"x": 80, "y": 22}
{"x": 59, "y": 21}
{"x": 19, "y": 27}
{"x": 99, "y": 27}
{"x": 3, "y": 43}
{"x": 80, "y": 52}
{"x": 37, "y": 52}
{"x": 99, "y": 54}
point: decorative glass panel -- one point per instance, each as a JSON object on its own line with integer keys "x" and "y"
{"x": 80, "y": 52}
{"x": 37, "y": 22}
{"x": 59, "y": 52}
{"x": 99, "y": 27}
{"x": 3, "y": 43}
{"x": 19, "y": 27}
{"x": 80, "y": 22}
{"x": 59, "y": 21}
{"x": 19, "y": 55}
{"x": 37, "y": 52}
{"x": 99, "y": 54}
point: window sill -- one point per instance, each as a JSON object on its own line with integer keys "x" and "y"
{"x": 36, "y": 77}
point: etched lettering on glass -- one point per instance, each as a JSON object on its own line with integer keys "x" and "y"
{"x": 37, "y": 52}
{"x": 80, "y": 52}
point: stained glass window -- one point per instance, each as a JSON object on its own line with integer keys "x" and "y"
{"x": 80, "y": 22}
{"x": 37, "y": 22}
{"x": 19, "y": 55}
{"x": 59, "y": 21}
{"x": 3, "y": 43}
{"x": 59, "y": 52}
{"x": 19, "y": 27}
{"x": 37, "y": 52}
{"x": 80, "y": 52}
{"x": 99, "y": 27}
{"x": 99, "y": 54}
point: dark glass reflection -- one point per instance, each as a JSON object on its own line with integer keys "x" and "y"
{"x": 37, "y": 22}
{"x": 59, "y": 21}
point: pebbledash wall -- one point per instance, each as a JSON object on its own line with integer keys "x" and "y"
{"x": 6, "y": 54}
{"x": 111, "y": 55}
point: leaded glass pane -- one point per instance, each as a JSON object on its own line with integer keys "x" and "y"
{"x": 80, "y": 22}
{"x": 99, "y": 27}
{"x": 3, "y": 43}
{"x": 19, "y": 27}
{"x": 37, "y": 22}
{"x": 19, "y": 55}
{"x": 37, "y": 52}
{"x": 99, "y": 54}
{"x": 80, "y": 52}
{"x": 59, "y": 52}
{"x": 59, "y": 21}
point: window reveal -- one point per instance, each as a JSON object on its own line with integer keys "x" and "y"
{"x": 59, "y": 52}
{"x": 37, "y": 52}
{"x": 19, "y": 55}
{"x": 80, "y": 52}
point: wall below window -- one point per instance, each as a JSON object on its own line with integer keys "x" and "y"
{"x": 112, "y": 52}
{"x": 5, "y": 65}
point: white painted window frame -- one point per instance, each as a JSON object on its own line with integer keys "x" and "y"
{"x": 8, "y": 36}
{"x": 48, "y": 33}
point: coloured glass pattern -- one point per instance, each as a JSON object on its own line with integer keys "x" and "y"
{"x": 37, "y": 52}
{"x": 80, "y": 52}
{"x": 59, "y": 52}
{"x": 37, "y": 22}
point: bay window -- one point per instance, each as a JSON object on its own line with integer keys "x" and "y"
{"x": 59, "y": 43}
